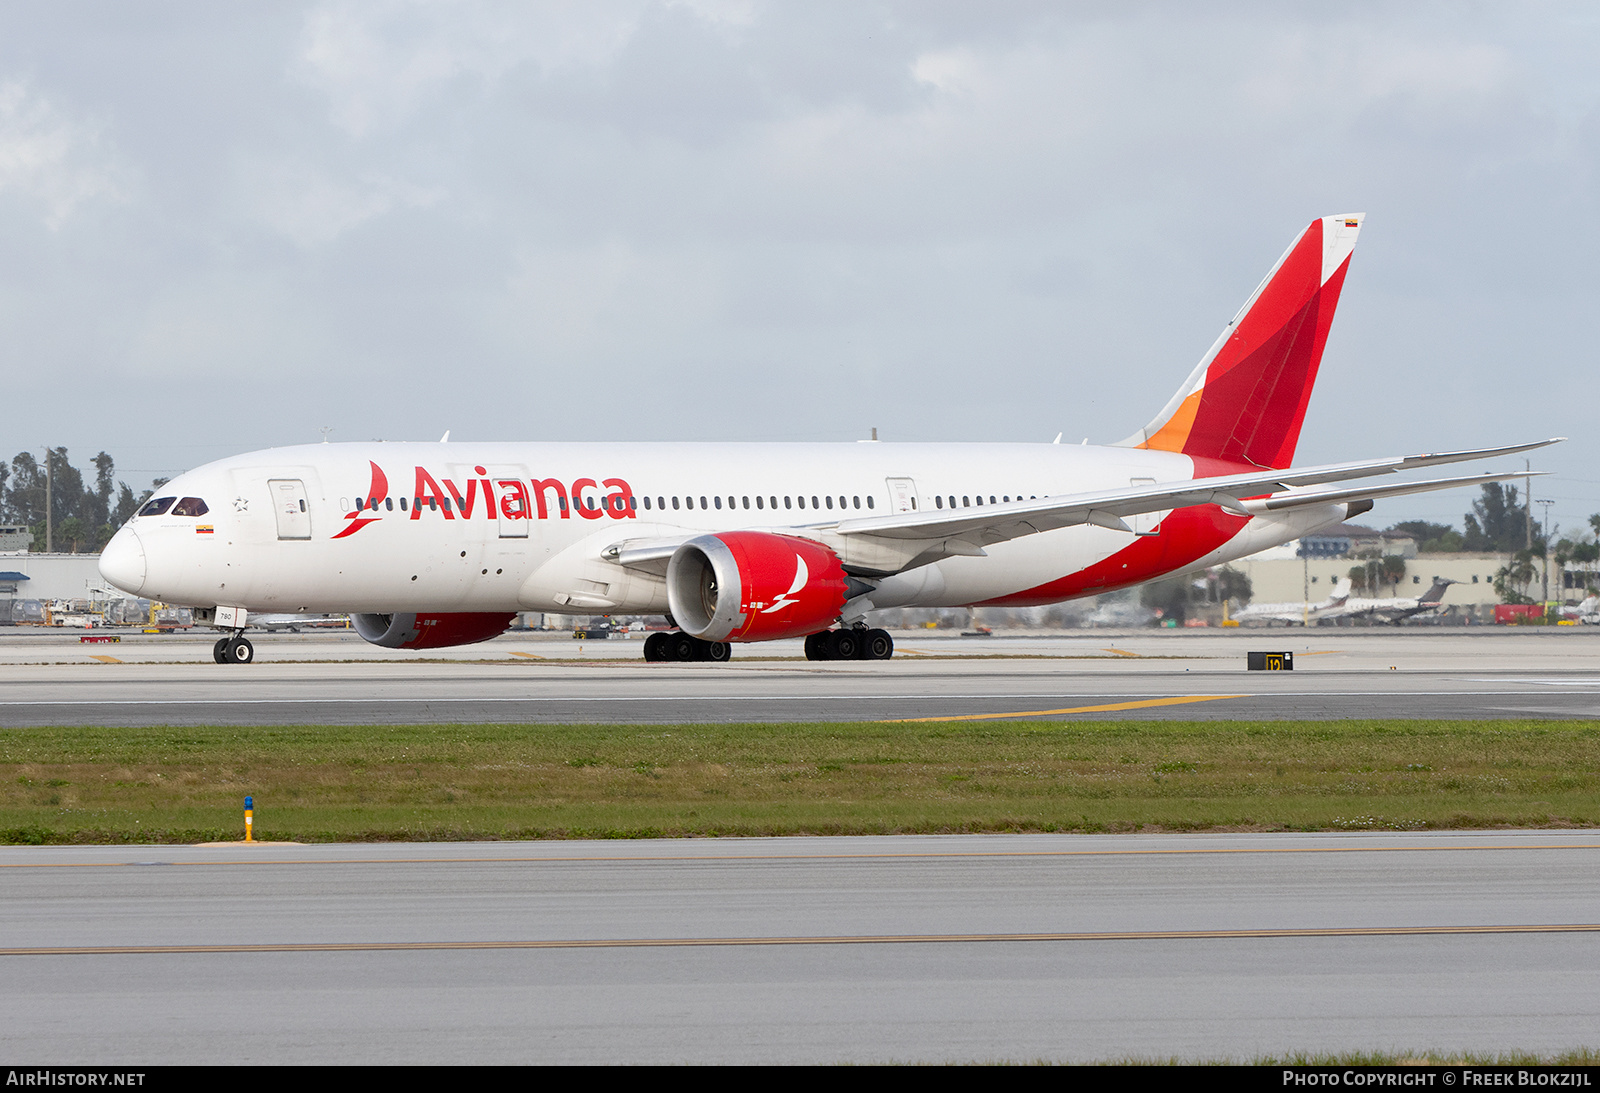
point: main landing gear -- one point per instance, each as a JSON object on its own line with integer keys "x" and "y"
{"x": 850, "y": 645}
{"x": 681, "y": 646}
{"x": 828, "y": 645}
{"x": 233, "y": 649}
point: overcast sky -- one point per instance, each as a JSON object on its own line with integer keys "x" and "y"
{"x": 227, "y": 226}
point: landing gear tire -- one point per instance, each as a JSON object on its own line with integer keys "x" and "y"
{"x": 238, "y": 651}
{"x": 876, "y": 645}
{"x": 843, "y": 644}
{"x": 683, "y": 647}
{"x": 219, "y": 651}
{"x": 655, "y": 647}
{"x": 817, "y": 646}
{"x": 850, "y": 645}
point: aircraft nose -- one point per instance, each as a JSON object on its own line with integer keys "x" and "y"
{"x": 122, "y": 561}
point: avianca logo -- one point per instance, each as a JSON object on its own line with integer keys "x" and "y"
{"x": 376, "y": 493}
{"x": 494, "y": 498}
{"x": 800, "y": 577}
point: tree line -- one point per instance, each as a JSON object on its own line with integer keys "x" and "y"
{"x": 1499, "y": 524}
{"x": 85, "y": 511}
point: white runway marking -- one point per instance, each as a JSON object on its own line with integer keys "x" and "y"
{"x": 1542, "y": 682}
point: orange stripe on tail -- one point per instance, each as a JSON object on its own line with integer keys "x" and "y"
{"x": 1247, "y": 400}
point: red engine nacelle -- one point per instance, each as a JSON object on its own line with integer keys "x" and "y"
{"x": 754, "y": 586}
{"x": 431, "y": 631}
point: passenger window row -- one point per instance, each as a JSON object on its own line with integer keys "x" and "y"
{"x": 194, "y": 506}
{"x": 968, "y": 499}
{"x": 769, "y": 502}
{"x": 435, "y": 504}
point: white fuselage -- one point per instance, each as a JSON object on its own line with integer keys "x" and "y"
{"x": 524, "y": 526}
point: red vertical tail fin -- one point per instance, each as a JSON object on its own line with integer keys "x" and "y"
{"x": 1246, "y": 400}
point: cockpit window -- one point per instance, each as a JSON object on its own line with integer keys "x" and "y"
{"x": 157, "y": 506}
{"x": 190, "y": 506}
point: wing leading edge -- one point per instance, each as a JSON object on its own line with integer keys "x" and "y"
{"x": 926, "y": 535}
{"x": 1107, "y": 507}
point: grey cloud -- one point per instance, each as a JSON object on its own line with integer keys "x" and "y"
{"x": 49, "y": 160}
{"x": 962, "y": 221}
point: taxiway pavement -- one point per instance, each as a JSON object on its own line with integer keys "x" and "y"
{"x": 338, "y": 679}
{"x": 802, "y": 950}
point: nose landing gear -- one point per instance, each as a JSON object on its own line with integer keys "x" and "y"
{"x": 234, "y": 649}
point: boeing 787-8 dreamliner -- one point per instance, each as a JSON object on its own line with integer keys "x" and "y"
{"x": 430, "y": 545}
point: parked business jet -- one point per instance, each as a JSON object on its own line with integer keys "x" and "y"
{"x": 1587, "y": 612}
{"x": 1395, "y": 609}
{"x": 430, "y": 545}
{"x": 1295, "y": 614}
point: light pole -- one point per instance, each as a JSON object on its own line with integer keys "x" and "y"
{"x": 1305, "y": 585}
{"x": 1527, "y": 504}
{"x": 1547, "y": 505}
{"x": 49, "y": 504}
{"x": 49, "y": 501}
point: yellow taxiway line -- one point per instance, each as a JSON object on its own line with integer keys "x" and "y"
{"x": 1109, "y": 707}
{"x": 847, "y": 939}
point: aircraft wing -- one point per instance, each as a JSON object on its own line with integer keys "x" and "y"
{"x": 1106, "y": 508}
{"x": 968, "y": 530}
{"x": 1295, "y": 616}
{"x": 646, "y": 555}
{"x": 1393, "y": 614}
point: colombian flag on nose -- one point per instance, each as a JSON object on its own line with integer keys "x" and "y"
{"x": 204, "y": 529}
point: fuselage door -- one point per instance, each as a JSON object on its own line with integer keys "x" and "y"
{"x": 902, "y": 495}
{"x": 506, "y": 496}
{"x": 290, "y": 507}
{"x": 513, "y": 506}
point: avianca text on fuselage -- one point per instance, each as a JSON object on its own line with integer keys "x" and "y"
{"x": 490, "y": 497}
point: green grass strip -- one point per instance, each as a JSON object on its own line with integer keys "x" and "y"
{"x": 90, "y": 784}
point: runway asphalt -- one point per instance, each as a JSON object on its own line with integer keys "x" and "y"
{"x": 806, "y": 950}
{"x": 338, "y": 679}
{"x": 956, "y": 948}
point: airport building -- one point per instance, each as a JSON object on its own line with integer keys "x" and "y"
{"x": 1307, "y": 569}
{"x": 54, "y": 577}
{"x": 28, "y": 582}
{"x": 1280, "y": 575}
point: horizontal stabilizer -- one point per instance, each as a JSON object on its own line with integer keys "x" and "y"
{"x": 1295, "y": 500}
